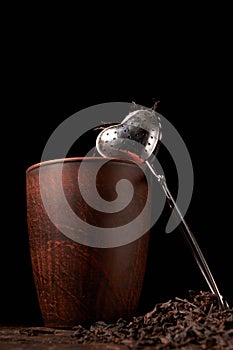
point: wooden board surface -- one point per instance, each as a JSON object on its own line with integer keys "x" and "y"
{"x": 41, "y": 338}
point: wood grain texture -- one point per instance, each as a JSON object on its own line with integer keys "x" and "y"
{"x": 78, "y": 284}
{"x": 39, "y": 338}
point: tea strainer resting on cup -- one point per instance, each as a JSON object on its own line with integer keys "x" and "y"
{"x": 136, "y": 138}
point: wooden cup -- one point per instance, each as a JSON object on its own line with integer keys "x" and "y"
{"x": 78, "y": 283}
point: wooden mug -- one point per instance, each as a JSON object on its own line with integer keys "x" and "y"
{"x": 77, "y": 283}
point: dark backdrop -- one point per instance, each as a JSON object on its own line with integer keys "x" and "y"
{"x": 193, "y": 85}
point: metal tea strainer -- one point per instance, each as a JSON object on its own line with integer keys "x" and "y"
{"x": 137, "y": 137}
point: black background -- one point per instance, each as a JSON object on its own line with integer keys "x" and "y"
{"x": 49, "y": 78}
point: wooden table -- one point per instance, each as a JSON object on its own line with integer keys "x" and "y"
{"x": 41, "y": 338}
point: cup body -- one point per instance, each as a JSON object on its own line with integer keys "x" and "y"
{"x": 79, "y": 283}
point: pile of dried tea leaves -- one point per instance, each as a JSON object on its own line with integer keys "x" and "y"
{"x": 195, "y": 322}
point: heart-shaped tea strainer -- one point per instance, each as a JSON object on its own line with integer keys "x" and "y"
{"x": 136, "y": 138}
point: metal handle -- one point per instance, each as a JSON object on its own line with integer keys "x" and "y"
{"x": 190, "y": 239}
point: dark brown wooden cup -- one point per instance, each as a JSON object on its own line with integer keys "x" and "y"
{"x": 78, "y": 283}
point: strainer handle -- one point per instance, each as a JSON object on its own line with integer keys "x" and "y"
{"x": 189, "y": 238}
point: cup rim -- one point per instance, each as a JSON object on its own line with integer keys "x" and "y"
{"x": 75, "y": 159}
